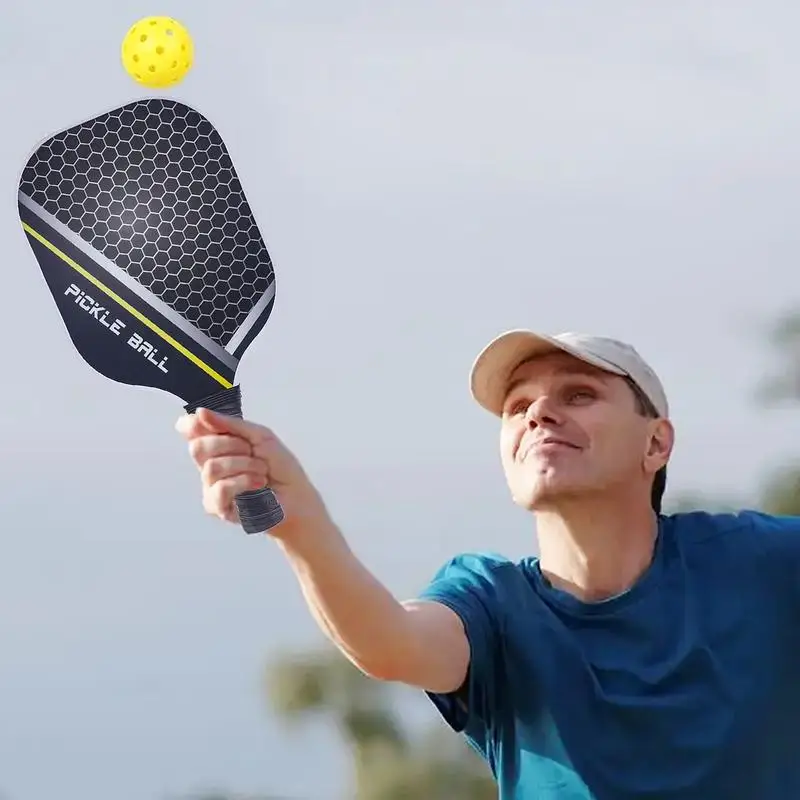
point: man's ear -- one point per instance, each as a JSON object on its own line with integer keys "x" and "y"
{"x": 660, "y": 444}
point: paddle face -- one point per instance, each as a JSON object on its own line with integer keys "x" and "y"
{"x": 145, "y": 238}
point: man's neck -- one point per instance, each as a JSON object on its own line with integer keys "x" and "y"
{"x": 596, "y": 550}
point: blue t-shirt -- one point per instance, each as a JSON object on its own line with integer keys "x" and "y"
{"x": 685, "y": 687}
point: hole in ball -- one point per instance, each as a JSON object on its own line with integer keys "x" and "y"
{"x": 159, "y": 49}
{"x": 143, "y": 37}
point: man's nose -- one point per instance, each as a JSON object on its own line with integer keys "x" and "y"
{"x": 543, "y": 411}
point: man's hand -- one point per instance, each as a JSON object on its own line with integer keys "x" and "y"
{"x": 418, "y": 643}
{"x": 235, "y": 456}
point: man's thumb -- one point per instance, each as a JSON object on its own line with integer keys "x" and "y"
{"x": 224, "y": 423}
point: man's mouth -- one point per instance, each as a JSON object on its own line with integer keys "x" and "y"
{"x": 546, "y": 444}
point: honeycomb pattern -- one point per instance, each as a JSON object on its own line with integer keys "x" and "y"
{"x": 152, "y": 187}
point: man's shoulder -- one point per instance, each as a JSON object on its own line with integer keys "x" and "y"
{"x": 488, "y": 575}
{"x": 477, "y": 564}
{"x": 701, "y": 523}
{"x": 747, "y": 527}
{"x": 482, "y": 587}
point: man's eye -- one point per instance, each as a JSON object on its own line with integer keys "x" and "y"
{"x": 517, "y": 407}
{"x": 581, "y": 394}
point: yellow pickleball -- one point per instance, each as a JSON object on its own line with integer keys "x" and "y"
{"x": 157, "y": 52}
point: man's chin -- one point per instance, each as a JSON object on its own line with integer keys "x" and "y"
{"x": 546, "y": 494}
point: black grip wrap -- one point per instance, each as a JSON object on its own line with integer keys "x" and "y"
{"x": 259, "y": 510}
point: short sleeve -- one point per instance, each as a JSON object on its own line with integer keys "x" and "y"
{"x": 778, "y": 540}
{"x": 470, "y": 585}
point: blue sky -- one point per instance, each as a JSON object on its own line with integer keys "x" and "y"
{"x": 426, "y": 175}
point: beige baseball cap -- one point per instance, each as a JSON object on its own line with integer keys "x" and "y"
{"x": 498, "y": 360}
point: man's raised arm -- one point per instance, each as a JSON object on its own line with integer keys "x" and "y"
{"x": 418, "y": 643}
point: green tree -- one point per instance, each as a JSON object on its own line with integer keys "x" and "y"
{"x": 389, "y": 761}
{"x": 782, "y": 384}
{"x": 780, "y": 492}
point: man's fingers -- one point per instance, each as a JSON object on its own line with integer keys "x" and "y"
{"x": 205, "y": 421}
{"x": 235, "y": 456}
{"x": 218, "y": 499}
{"x": 190, "y": 426}
{"x": 203, "y": 448}
{"x": 234, "y": 426}
{"x": 228, "y": 513}
{"x": 218, "y": 468}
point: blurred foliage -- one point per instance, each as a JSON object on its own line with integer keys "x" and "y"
{"x": 781, "y": 492}
{"x": 389, "y": 761}
{"x": 782, "y": 384}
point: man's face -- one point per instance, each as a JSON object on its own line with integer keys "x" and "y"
{"x": 571, "y": 430}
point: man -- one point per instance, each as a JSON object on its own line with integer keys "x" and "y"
{"x": 641, "y": 655}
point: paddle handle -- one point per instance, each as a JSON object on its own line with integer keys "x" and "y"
{"x": 259, "y": 510}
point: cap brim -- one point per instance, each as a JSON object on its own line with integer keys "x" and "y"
{"x": 495, "y": 364}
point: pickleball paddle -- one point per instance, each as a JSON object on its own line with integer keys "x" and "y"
{"x": 149, "y": 247}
